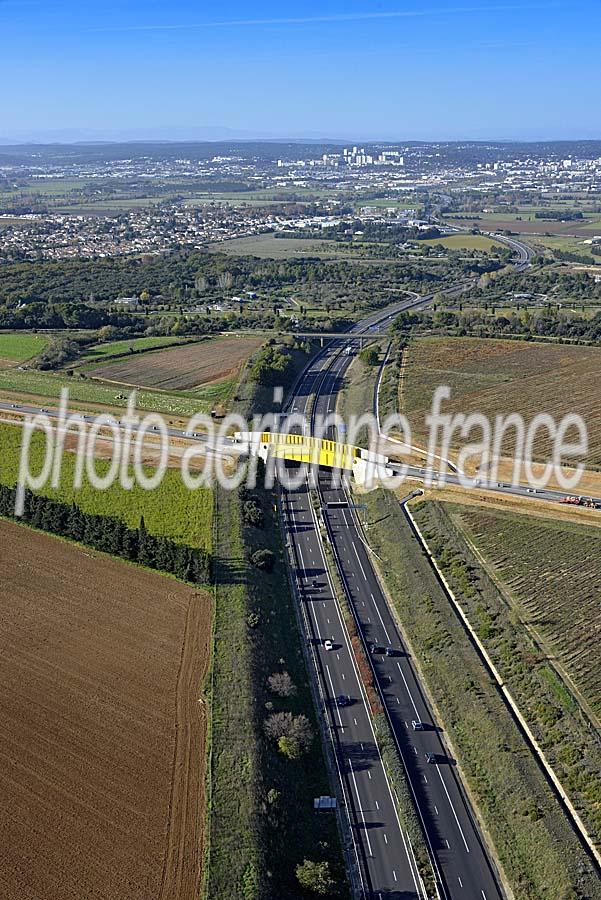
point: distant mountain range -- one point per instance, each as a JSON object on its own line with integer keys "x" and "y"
{"x": 173, "y": 135}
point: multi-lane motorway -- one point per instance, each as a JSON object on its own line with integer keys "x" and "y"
{"x": 460, "y": 862}
{"x": 386, "y": 862}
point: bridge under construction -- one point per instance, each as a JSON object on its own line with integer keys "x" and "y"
{"x": 300, "y": 448}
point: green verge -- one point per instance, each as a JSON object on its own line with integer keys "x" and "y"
{"x": 262, "y": 821}
{"x": 540, "y": 855}
{"x": 568, "y": 737}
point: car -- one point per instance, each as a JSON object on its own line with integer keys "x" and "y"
{"x": 328, "y": 645}
{"x": 343, "y": 700}
{"x": 430, "y": 757}
{"x": 417, "y": 725}
{"x": 375, "y": 648}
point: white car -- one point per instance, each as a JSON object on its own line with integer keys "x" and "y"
{"x": 328, "y": 645}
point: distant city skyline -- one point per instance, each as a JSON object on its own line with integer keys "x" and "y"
{"x": 333, "y": 70}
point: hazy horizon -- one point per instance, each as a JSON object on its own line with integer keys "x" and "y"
{"x": 493, "y": 71}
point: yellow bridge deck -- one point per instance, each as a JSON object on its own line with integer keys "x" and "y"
{"x": 318, "y": 451}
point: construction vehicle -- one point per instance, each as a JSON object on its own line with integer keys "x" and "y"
{"x": 587, "y": 502}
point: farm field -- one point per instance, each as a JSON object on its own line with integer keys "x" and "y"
{"x": 115, "y": 348}
{"x": 18, "y": 348}
{"x": 552, "y": 572}
{"x": 463, "y": 242}
{"x": 48, "y": 386}
{"x": 498, "y": 377}
{"x": 170, "y": 509}
{"x": 568, "y": 244}
{"x": 183, "y": 368}
{"x": 101, "y": 730}
{"x": 524, "y": 222}
{"x": 530, "y": 587}
{"x": 266, "y": 246}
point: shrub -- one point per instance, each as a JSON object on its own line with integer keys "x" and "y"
{"x": 316, "y": 877}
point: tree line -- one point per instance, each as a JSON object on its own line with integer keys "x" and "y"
{"x": 528, "y": 326}
{"x": 110, "y": 535}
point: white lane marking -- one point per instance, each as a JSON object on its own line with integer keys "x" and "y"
{"x": 483, "y": 894}
{"x": 369, "y": 774}
{"x": 359, "y": 560}
{"x": 408, "y": 691}
{"x": 355, "y": 721}
{"x": 436, "y": 809}
{"x": 425, "y": 780}
{"x": 360, "y": 807}
{"x": 398, "y": 701}
{"x": 328, "y": 621}
{"x": 448, "y": 845}
{"x": 377, "y": 805}
{"x": 385, "y": 839}
{"x": 394, "y": 874}
{"x": 343, "y": 678}
{"x": 381, "y": 620}
{"x": 334, "y": 696}
{"x": 460, "y": 881}
{"x": 452, "y": 807}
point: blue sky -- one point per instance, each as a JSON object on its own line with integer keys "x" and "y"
{"x": 411, "y": 69}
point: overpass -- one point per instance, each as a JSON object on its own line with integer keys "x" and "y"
{"x": 300, "y": 448}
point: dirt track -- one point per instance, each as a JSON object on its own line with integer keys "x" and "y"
{"x": 102, "y": 737}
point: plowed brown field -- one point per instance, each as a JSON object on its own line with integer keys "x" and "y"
{"x": 499, "y": 377}
{"x": 182, "y": 368}
{"x": 102, "y": 735}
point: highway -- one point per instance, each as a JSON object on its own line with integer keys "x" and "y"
{"x": 461, "y": 862}
{"x": 387, "y": 868}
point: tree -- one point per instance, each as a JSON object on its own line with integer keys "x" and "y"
{"x": 288, "y": 747}
{"x": 370, "y": 356}
{"x": 281, "y": 683}
{"x": 263, "y": 560}
{"x": 292, "y": 733}
{"x": 316, "y": 877}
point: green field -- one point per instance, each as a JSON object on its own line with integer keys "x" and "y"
{"x": 170, "y": 510}
{"x": 267, "y": 246}
{"x": 568, "y": 244}
{"x": 41, "y": 384}
{"x": 21, "y": 347}
{"x": 119, "y": 348}
{"x": 464, "y": 242}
